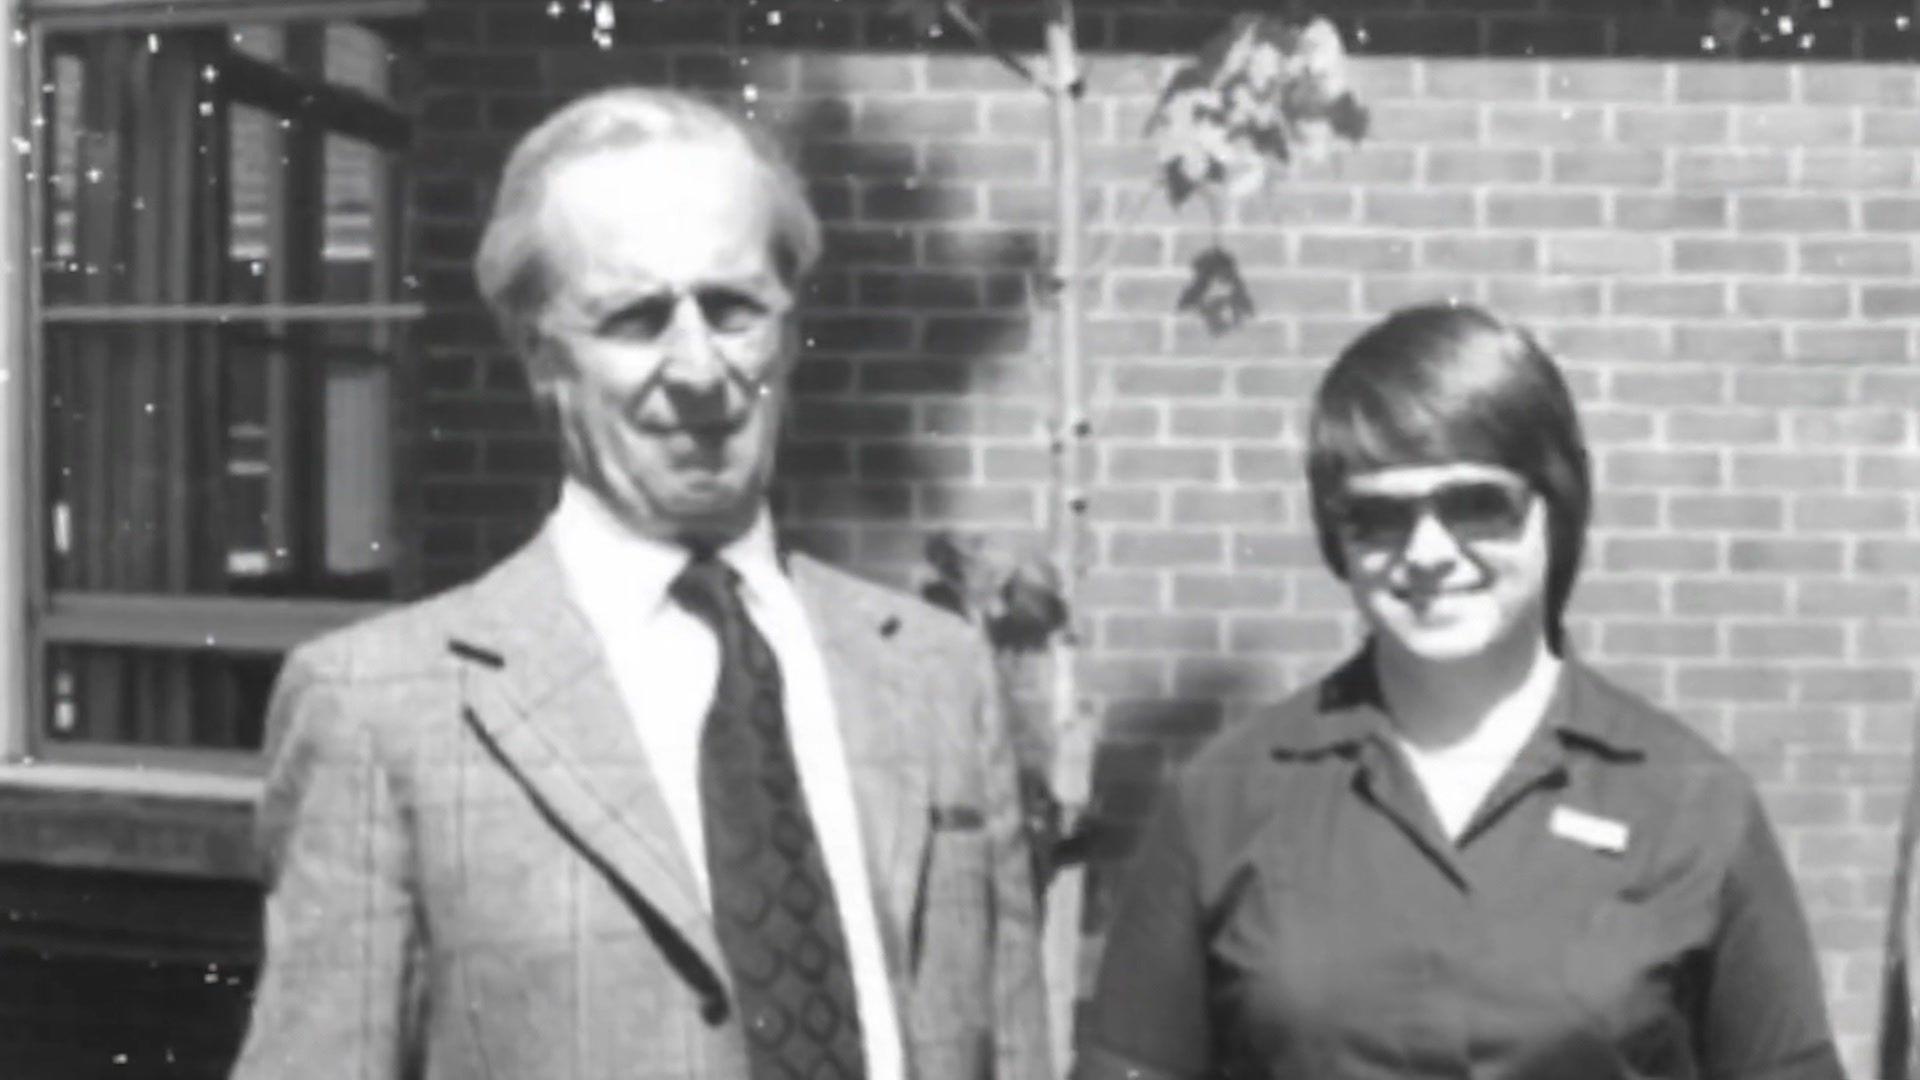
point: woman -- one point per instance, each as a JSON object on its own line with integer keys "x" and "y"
{"x": 1462, "y": 853}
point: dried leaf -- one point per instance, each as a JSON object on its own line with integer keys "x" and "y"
{"x": 1217, "y": 292}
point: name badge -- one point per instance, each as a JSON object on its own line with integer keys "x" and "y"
{"x": 1601, "y": 834}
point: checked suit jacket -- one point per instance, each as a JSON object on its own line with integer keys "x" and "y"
{"x": 472, "y": 873}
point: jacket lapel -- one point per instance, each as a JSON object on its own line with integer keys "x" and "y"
{"x": 885, "y": 733}
{"x": 538, "y": 691}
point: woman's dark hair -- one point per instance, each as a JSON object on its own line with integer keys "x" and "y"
{"x": 1451, "y": 382}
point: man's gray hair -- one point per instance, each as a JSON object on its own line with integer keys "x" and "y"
{"x": 511, "y": 268}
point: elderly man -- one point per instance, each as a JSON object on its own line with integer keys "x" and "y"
{"x": 651, "y": 798}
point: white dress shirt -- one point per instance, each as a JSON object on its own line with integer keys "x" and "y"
{"x": 665, "y": 664}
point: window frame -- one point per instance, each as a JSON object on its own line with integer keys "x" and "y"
{"x": 36, "y": 616}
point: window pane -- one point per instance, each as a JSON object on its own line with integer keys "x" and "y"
{"x": 155, "y": 697}
{"x": 231, "y": 459}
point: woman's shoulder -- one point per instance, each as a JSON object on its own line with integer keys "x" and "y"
{"x": 1669, "y": 761}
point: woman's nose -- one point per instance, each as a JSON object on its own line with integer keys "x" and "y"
{"x": 1430, "y": 548}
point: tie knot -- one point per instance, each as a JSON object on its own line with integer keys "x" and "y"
{"x": 707, "y": 587}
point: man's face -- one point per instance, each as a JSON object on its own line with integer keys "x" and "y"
{"x": 667, "y": 334}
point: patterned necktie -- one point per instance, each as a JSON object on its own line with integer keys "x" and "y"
{"x": 773, "y": 906}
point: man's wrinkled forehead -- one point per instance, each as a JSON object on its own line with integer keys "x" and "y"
{"x": 647, "y": 210}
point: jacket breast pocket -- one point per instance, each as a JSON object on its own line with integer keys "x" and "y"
{"x": 1631, "y": 973}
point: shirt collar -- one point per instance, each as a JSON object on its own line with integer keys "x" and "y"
{"x": 1346, "y": 709}
{"x": 614, "y": 567}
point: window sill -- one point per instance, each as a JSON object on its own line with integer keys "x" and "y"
{"x": 121, "y": 818}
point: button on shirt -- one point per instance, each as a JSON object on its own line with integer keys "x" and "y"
{"x": 665, "y": 663}
{"x": 1617, "y": 907}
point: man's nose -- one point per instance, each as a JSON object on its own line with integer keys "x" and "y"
{"x": 693, "y": 374}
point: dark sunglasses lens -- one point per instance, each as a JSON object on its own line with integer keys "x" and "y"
{"x": 1481, "y": 511}
{"x": 1379, "y": 520}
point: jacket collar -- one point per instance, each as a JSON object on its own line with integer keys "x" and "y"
{"x": 1346, "y": 708}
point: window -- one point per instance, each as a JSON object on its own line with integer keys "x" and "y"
{"x": 217, "y": 323}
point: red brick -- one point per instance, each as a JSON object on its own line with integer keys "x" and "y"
{"x": 1300, "y": 207}
{"x": 1788, "y": 471}
{"x": 1729, "y": 343}
{"x": 1900, "y": 472}
{"x": 1543, "y": 209}
{"x": 1732, "y": 167}
{"x": 1607, "y": 342}
{"x": 1603, "y": 594}
{"x": 1670, "y": 213}
{"x": 1626, "y": 510}
{"x": 1856, "y": 258}
{"x": 1267, "y": 379}
{"x": 898, "y": 117}
{"x": 1668, "y": 126}
{"x": 1163, "y": 463}
{"x": 1790, "y": 213}
{"x": 1251, "y": 248}
{"x": 1228, "y": 592}
{"x": 1614, "y": 80}
{"x": 1419, "y": 209}
{"x": 1891, "y": 214}
{"x": 1851, "y": 345}
{"x": 977, "y": 505}
{"x": 1889, "y": 127}
{"x": 1856, "y": 684}
{"x": 1731, "y": 682}
{"x": 1481, "y": 254}
{"x": 1847, "y": 84}
{"x": 979, "y": 418}
{"x": 1729, "y": 255}
{"x": 1609, "y": 165}
{"x": 1878, "y": 556}
{"x": 1851, "y": 514}
{"x": 1481, "y": 80}
{"x": 1857, "y": 170}
{"x": 1804, "y": 389}
{"x": 1670, "y": 299}
{"x": 1739, "y": 427}
{"x": 1794, "y": 126}
{"x": 1871, "y": 427}
{"x": 1384, "y": 293}
{"x": 1891, "y": 388}
{"x": 1173, "y": 380}
{"x": 1143, "y": 547}
{"x": 1546, "y": 125}
{"x": 1662, "y": 639}
{"x": 1852, "y": 599}
{"x": 1283, "y": 633}
{"x": 1713, "y": 513}
{"x": 1776, "y": 555}
{"x": 1346, "y": 252}
{"x": 1729, "y": 596}
{"x": 1890, "y": 301}
{"x": 1213, "y": 506}
{"x": 1544, "y": 297}
{"x": 1644, "y": 554}
{"x": 1792, "y": 300}
{"x": 912, "y": 201}
{"x": 1113, "y": 336}
{"x": 1483, "y": 165}
{"x": 1613, "y": 427}
{"x": 1685, "y": 386}
{"x": 1734, "y": 83}
{"x": 981, "y": 160}
{"x": 1228, "y": 422}
{"x": 1603, "y": 254}
{"x": 1265, "y": 549}
{"x": 1161, "y": 633}
{"x": 1264, "y": 465}
{"x": 1423, "y": 122}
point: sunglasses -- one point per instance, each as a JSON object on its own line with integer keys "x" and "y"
{"x": 1471, "y": 510}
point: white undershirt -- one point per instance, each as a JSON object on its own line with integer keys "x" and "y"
{"x": 1457, "y": 778}
{"x": 665, "y": 663}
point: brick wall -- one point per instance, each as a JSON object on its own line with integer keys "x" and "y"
{"x": 1722, "y": 254}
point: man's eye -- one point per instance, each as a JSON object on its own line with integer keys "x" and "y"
{"x": 733, "y": 312}
{"x": 642, "y": 321}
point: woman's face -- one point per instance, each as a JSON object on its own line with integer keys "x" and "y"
{"x": 1447, "y": 562}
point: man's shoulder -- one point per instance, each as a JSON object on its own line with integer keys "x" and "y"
{"x": 839, "y": 595}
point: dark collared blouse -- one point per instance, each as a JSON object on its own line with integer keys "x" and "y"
{"x": 1618, "y": 907}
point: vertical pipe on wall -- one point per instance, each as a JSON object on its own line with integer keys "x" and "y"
{"x": 1073, "y": 737}
{"x": 15, "y": 711}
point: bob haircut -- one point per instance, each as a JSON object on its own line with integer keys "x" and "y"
{"x": 511, "y": 267}
{"x": 1452, "y": 382}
